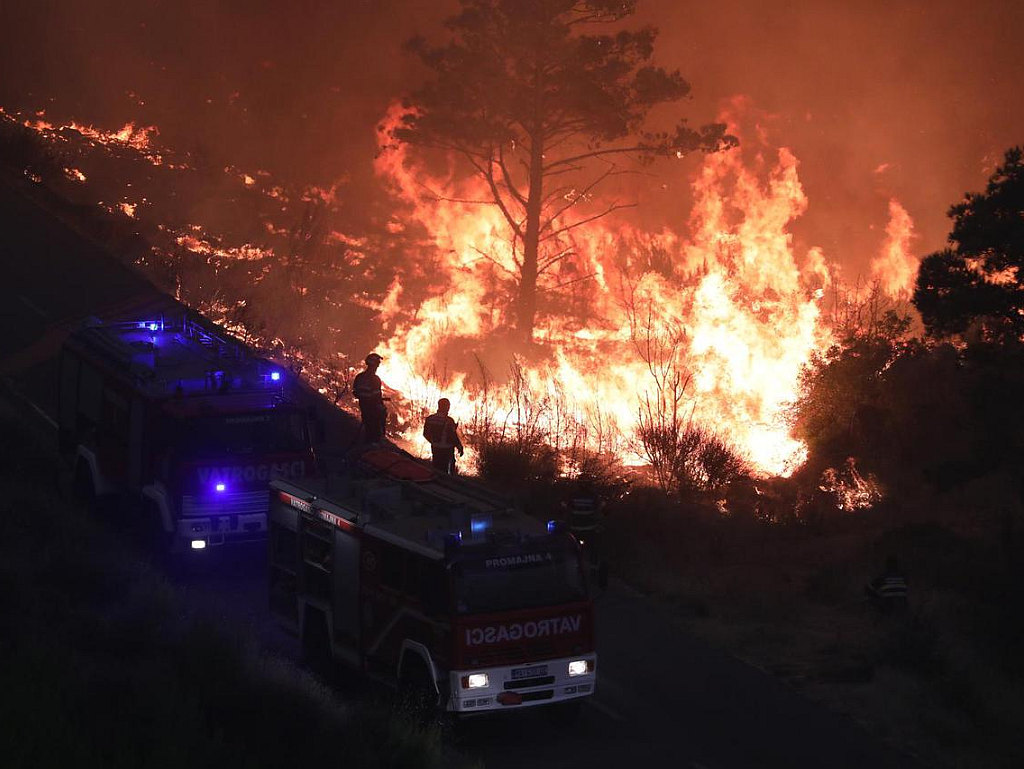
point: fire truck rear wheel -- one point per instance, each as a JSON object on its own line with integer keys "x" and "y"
{"x": 316, "y": 643}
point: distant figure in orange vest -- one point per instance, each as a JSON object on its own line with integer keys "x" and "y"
{"x": 442, "y": 433}
{"x": 366, "y": 387}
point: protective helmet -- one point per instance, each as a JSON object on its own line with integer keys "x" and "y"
{"x": 373, "y": 358}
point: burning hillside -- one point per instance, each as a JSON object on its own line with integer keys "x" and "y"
{"x": 708, "y": 326}
{"x": 713, "y": 324}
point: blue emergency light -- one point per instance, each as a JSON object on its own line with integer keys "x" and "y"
{"x": 275, "y": 376}
{"x": 220, "y": 487}
{"x": 479, "y": 524}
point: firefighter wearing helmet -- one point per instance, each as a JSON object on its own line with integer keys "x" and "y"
{"x": 366, "y": 388}
{"x": 441, "y": 432}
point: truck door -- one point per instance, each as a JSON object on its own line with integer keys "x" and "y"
{"x": 284, "y": 562}
{"x": 346, "y": 588}
{"x": 113, "y": 432}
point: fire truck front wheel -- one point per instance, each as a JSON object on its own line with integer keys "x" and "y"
{"x": 151, "y": 531}
{"x": 84, "y": 488}
{"x": 417, "y": 692}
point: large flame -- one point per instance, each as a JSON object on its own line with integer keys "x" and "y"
{"x": 895, "y": 268}
{"x": 735, "y": 311}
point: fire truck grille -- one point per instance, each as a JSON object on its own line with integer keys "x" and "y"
{"x": 226, "y": 503}
{"x": 527, "y": 683}
{"x": 547, "y": 694}
{"x": 512, "y": 655}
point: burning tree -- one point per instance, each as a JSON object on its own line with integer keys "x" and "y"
{"x": 541, "y": 110}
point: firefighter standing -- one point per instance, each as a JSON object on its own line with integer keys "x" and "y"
{"x": 441, "y": 432}
{"x": 366, "y": 388}
{"x": 583, "y": 513}
{"x": 583, "y": 510}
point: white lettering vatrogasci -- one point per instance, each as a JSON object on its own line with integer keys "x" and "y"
{"x": 515, "y": 631}
{"x": 263, "y": 472}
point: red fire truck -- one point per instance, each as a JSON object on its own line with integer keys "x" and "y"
{"x": 166, "y": 412}
{"x": 434, "y": 584}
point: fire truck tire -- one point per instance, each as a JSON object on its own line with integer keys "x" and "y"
{"x": 417, "y": 693}
{"x": 316, "y": 643}
{"x": 153, "y": 534}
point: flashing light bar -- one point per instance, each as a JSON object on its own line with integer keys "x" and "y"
{"x": 480, "y": 524}
{"x": 198, "y": 544}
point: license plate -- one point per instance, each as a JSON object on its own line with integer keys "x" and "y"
{"x": 533, "y": 672}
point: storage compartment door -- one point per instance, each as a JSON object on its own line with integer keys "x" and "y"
{"x": 346, "y": 589}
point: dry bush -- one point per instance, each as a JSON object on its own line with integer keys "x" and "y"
{"x": 687, "y": 459}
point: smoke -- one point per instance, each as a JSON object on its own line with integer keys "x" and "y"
{"x": 913, "y": 100}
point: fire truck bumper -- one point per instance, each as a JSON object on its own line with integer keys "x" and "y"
{"x": 483, "y": 690}
{"x": 198, "y": 533}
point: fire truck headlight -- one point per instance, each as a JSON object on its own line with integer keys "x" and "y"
{"x": 475, "y": 681}
{"x": 580, "y": 667}
{"x": 198, "y": 544}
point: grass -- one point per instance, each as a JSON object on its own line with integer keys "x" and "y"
{"x": 100, "y": 665}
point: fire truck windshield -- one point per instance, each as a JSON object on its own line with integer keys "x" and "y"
{"x": 517, "y": 581}
{"x": 267, "y": 432}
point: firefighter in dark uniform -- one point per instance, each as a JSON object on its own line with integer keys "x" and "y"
{"x": 441, "y": 432}
{"x": 366, "y": 388}
{"x": 583, "y": 513}
{"x": 583, "y": 508}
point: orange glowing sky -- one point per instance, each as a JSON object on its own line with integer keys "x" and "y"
{"x": 912, "y": 99}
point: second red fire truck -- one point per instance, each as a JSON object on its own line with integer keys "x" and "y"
{"x": 184, "y": 423}
{"x": 433, "y": 583}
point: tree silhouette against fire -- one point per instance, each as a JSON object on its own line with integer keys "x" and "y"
{"x": 978, "y": 281}
{"x": 542, "y": 110}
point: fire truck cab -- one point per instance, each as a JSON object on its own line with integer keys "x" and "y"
{"x": 433, "y": 583}
{"x": 171, "y": 414}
